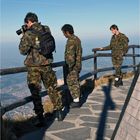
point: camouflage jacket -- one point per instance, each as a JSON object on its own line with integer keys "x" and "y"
{"x": 118, "y": 45}
{"x": 73, "y": 53}
{"x": 28, "y": 45}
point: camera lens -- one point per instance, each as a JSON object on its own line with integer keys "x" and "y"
{"x": 22, "y": 30}
{"x": 19, "y": 31}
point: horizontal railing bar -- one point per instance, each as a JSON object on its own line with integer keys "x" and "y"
{"x": 87, "y": 57}
{"x": 12, "y": 70}
{"x": 24, "y": 69}
{"x": 87, "y": 75}
{"x": 112, "y": 68}
{"x": 134, "y": 46}
{"x": 131, "y": 55}
{"x": 58, "y": 64}
{"x": 109, "y": 54}
{"x": 130, "y": 46}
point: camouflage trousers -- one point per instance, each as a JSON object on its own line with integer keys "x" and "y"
{"x": 73, "y": 83}
{"x": 48, "y": 77}
{"x": 117, "y": 63}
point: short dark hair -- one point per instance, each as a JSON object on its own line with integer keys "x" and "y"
{"x": 114, "y": 27}
{"x": 31, "y": 17}
{"x": 68, "y": 27}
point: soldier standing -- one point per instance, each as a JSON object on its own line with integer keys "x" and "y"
{"x": 39, "y": 69}
{"x": 119, "y": 47}
{"x": 73, "y": 58}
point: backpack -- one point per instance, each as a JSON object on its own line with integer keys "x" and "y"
{"x": 46, "y": 42}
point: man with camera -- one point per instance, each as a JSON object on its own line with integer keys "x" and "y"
{"x": 38, "y": 67}
{"x": 119, "y": 47}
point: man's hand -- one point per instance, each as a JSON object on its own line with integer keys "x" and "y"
{"x": 97, "y": 49}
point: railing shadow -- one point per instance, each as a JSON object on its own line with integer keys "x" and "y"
{"x": 108, "y": 104}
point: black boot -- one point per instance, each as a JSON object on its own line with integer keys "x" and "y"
{"x": 39, "y": 120}
{"x": 120, "y": 82}
{"x": 59, "y": 115}
{"x": 116, "y": 82}
{"x": 75, "y": 105}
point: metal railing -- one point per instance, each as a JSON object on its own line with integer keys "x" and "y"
{"x": 4, "y": 109}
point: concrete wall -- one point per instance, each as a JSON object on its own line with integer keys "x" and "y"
{"x": 129, "y": 128}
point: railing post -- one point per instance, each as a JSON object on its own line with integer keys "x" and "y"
{"x": 65, "y": 73}
{"x": 1, "y": 122}
{"x": 134, "y": 59}
{"x": 95, "y": 65}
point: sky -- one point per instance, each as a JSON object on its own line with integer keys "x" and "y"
{"x": 91, "y": 19}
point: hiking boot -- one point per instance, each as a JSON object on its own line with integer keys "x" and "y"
{"x": 59, "y": 115}
{"x": 49, "y": 116}
{"x": 39, "y": 121}
{"x": 118, "y": 82}
{"x": 75, "y": 105}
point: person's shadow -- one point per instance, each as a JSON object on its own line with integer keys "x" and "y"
{"x": 25, "y": 129}
{"x": 86, "y": 90}
{"x": 108, "y": 104}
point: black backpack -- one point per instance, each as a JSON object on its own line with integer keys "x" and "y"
{"x": 46, "y": 42}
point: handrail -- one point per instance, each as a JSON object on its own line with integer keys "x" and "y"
{"x": 24, "y": 69}
{"x": 21, "y": 102}
{"x": 59, "y": 64}
{"x": 133, "y": 55}
{"x": 62, "y": 63}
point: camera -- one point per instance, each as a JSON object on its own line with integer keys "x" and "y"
{"x": 22, "y": 30}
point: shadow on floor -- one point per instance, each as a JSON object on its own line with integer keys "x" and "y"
{"x": 86, "y": 90}
{"x": 108, "y": 105}
{"x": 13, "y": 130}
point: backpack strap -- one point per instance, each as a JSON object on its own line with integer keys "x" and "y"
{"x": 43, "y": 28}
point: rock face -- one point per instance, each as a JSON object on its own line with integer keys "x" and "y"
{"x": 129, "y": 128}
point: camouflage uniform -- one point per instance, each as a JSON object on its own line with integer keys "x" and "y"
{"x": 119, "y": 47}
{"x": 73, "y": 58}
{"x": 39, "y": 69}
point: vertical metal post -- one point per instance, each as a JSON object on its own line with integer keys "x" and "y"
{"x": 95, "y": 65}
{"x": 65, "y": 73}
{"x": 134, "y": 59}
